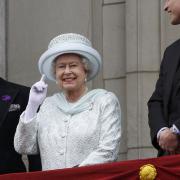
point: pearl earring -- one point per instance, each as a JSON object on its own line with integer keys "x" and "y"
{"x": 85, "y": 80}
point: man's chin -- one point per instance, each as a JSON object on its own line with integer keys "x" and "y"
{"x": 175, "y": 21}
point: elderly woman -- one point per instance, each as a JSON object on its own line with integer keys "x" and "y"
{"x": 74, "y": 127}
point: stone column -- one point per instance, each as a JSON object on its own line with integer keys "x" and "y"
{"x": 114, "y": 59}
{"x": 108, "y": 36}
{"x": 97, "y": 36}
{"x": 3, "y": 38}
{"x": 142, "y": 66}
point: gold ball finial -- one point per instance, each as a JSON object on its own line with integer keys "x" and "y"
{"x": 147, "y": 172}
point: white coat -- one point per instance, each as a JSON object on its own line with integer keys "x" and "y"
{"x": 83, "y": 133}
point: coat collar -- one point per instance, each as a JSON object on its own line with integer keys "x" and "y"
{"x": 84, "y": 103}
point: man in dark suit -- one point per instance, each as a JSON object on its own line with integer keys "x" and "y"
{"x": 164, "y": 104}
{"x": 13, "y": 101}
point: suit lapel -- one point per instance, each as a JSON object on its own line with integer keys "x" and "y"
{"x": 173, "y": 61}
{"x": 7, "y": 96}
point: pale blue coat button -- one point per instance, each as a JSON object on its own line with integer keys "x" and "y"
{"x": 66, "y": 120}
{"x": 61, "y": 152}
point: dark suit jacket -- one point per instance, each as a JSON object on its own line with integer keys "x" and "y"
{"x": 13, "y": 100}
{"x": 164, "y": 104}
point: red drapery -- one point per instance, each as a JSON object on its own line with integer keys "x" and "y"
{"x": 168, "y": 168}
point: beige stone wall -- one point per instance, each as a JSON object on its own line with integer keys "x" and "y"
{"x": 131, "y": 36}
{"x": 32, "y": 24}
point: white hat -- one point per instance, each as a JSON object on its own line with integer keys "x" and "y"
{"x": 70, "y": 43}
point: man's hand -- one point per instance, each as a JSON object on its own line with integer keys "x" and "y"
{"x": 168, "y": 141}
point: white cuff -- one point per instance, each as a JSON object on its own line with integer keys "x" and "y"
{"x": 159, "y": 132}
{"x": 24, "y": 120}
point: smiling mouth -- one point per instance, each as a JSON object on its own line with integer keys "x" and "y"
{"x": 68, "y": 80}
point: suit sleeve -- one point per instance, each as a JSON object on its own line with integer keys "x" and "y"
{"x": 156, "y": 106}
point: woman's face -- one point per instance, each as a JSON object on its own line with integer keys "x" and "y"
{"x": 70, "y": 72}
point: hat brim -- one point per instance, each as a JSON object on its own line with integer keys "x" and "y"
{"x": 90, "y": 54}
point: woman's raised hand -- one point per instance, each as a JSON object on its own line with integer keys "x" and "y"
{"x": 38, "y": 92}
{"x": 36, "y": 97}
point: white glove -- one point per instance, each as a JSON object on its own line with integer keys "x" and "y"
{"x": 36, "y": 97}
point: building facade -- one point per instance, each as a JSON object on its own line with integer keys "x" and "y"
{"x": 131, "y": 36}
